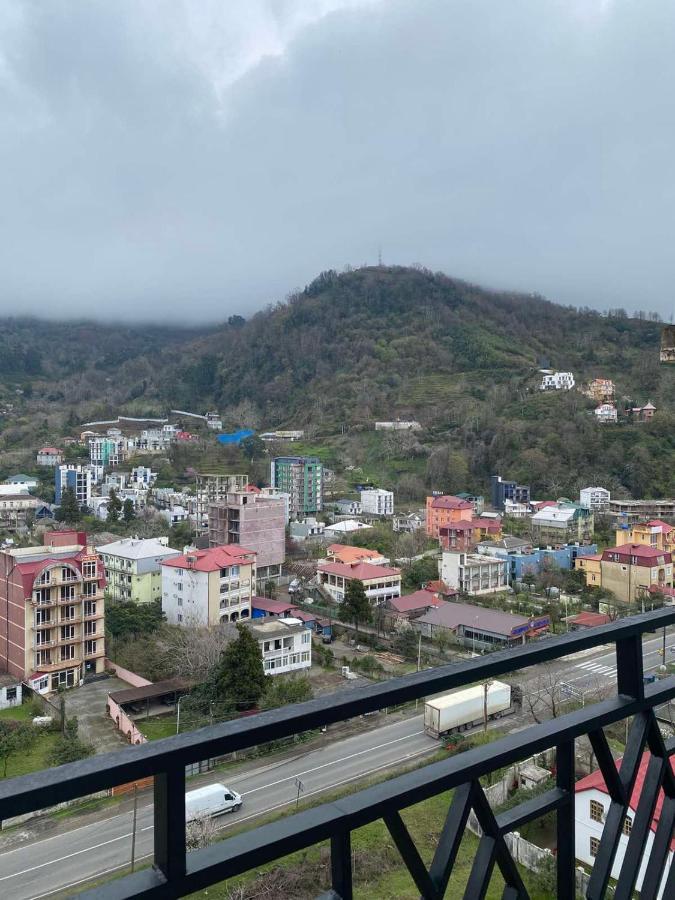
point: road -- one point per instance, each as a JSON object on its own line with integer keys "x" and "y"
{"x": 43, "y": 868}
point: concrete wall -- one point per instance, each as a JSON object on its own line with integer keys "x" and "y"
{"x": 130, "y": 677}
{"x": 123, "y": 723}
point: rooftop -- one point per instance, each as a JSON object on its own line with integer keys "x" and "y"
{"x": 361, "y": 570}
{"x": 275, "y": 627}
{"x": 137, "y": 548}
{"x": 418, "y": 600}
{"x": 449, "y": 502}
{"x": 453, "y": 615}
{"x": 212, "y": 559}
{"x": 345, "y": 553}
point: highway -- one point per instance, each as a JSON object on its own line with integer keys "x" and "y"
{"x": 41, "y": 868}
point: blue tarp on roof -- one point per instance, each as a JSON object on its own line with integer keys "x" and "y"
{"x": 236, "y": 437}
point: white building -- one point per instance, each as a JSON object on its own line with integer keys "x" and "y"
{"x": 133, "y": 567}
{"x": 398, "y": 425}
{"x": 307, "y": 530}
{"x": 174, "y": 515}
{"x": 285, "y": 645}
{"x": 606, "y": 413}
{"x": 142, "y": 476}
{"x": 557, "y": 381}
{"x": 49, "y": 456}
{"x": 377, "y": 502}
{"x": 348, "y": 507}
{"x": 409, "y": 523}
{"x": 515, "y": 510}
{"x": 213, "y": 421}
{"x": 474, "y": 573}
{"x": 282, "y": 435}
{"x": 348, "y": 526}
{"x": 381, "y": 583}
{"x": 591, "y": 805}
{"x": 11, "y": 691}
{"x": 596, "y": 498}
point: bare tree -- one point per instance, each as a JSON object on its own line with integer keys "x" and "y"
{"x": 200, "y": 833}
{"x": 196, "y": 650}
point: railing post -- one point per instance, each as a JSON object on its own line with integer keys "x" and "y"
{"x": 169, "y": 810}
{"x": 629, "y": 667}
{"x": 341, "y": 864}
{"x": 565, "y": 831}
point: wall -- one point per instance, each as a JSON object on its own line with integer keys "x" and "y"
{"x": 130, "y": 677}
{"x": 123, "y": 723}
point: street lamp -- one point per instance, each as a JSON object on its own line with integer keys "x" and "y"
{"x": 178, "y": 712}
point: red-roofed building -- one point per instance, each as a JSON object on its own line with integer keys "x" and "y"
{"x": 49, "y": 456}
{"x": 413, "y": 605}
{"x": 587, "y": 620}
{"x": 630, "y": 570}
{"x": 444, "y": 511}
{"x": 207, "y": 587}
{"x": 344, "y": 553}
{"x": 52, "y": 612}
{"x": 382, "y": 583}
{"x": 590, "y": 810}
{"x": 466, "y": 535}
{"x": 654, "y": 534}
{"x": 440, "y": 590}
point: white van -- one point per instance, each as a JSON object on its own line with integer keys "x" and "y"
{"x": 211, "y": 800}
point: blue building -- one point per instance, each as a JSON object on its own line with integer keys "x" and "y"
{"x": 533, "y": 561}
{"x": 78, "y": 479}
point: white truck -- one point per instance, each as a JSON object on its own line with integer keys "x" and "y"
{"x": 465, "y": 708}
{"x": 211, "y": 800}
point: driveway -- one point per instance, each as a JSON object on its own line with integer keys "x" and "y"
{"x": 88, "y": 703}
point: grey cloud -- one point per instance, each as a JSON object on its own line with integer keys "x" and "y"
{"x": 524, "y": 145}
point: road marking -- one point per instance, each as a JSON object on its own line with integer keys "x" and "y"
{"x": 333, "y": 763}
{"x": 67, "y": 856}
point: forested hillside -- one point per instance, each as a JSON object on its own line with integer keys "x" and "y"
{"x": 379, "y": 343}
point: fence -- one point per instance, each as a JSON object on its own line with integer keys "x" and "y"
{"x": 176, "y": 874}
{"x": 130, "y": 677}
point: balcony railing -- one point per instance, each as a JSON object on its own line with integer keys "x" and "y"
{"x": 176, "y": 873}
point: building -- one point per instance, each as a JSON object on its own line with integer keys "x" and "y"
{"x": 285, "y": 645}
{"x": 23, "y": 482}
{"x": 108, "y": 450}
{"x": 591, "y": 805}
{"x": 302, "y": 478}
{"x": 256, "y": 521}
{"x": 501, "y": 490}
{"x": 563, "y": 523}
{"x": 78, "y": 478}
{"x": 133, "y": 569}
{"x": 52, "y": 612}
{"x": 442, "y": 511}
{"x": 282, "y": 435}
{"x": 381, "y": 583}
{"x": 377, "y": 502}
{"x": 398, "y": 425}
{"x": 208, "y": 587}
{"x": 142, "y": 476}
{"x": 595, "y": 498}
{"x": 631, "y": 512}
{"x": 49, "y": 456}
{"x": 601, "y": 390}
{"x": 279, "y": 495}
{"x": 347, "y": 507}
{"x": 211, "y": 489}
{"x": 606, "y": 413}
{"x": 466, "y": 535}
{"x": 409, "y": 523}
{"x": 213, "y": 421}
{"x": 16, "y": 509}
{"x": 557, "y": 381}
{"x": 344, "y": 553}
{"x": 591, "y": 565}
{"x": 310, "y": 529}
{"x": 643, "y": 413}
{"x": 11, "y": 691}
{"x": 654, "y": 534}
{"x": 523, "y": 559}
{"x": 477, "y": 500}
{"x": 630, "y": 570}
{"x": 346, "y": 526}
{"x": 412, "y": 606}
{"x": 478, "y": 627}
{"x": 474, "y": 573}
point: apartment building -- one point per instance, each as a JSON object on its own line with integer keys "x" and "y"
{"x": 381, "y": 583}
{"x": 465, "y": 535}
{"x": 595, "y": 498}
{"x": 285, "y": 644}
{"x": 443, "y": 511}
{"x": 208, "y": 587}
{"x": 49, "y": 456}
{"x": 377, "y": 502}
{"x": 631, "y": 512}
{"x": 301, "y": 477}
{"x": 52, "y": 612}
{"x": 654, "y": 534}
{"x": 501, "y": 490}
{"x": 212, "y": 488}
{"x": 133, "y": 568}
{"x": 256, "y": 521}
{"x": 344, "y": 553}
{"x": 557, "y": 381}
{"x": 15, "y": 509}
{"x": 473, "y": 573}
{"x": 107, "y": 450}
{"x": 79, "y": 479}
{"x": 629, "y": 571}
{"x": 562, "y": 523}
{"x": 606, "y": 414}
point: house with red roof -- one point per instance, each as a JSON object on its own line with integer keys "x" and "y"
{"x": 49, "y": 456}
{"x": 344, "y": 553}
{"x": 591, "y": 806}
{"x": 630, "y": 570}
{"x": 654, "y": 534}
{"x": 382, "y": 583}
{"x": 446, "y": 510}
{"x": 208, "y": 587}
{"x": 465, "y": 535}
{"x": 412, "y": 605}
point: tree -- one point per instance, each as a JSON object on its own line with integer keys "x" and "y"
{"x": 15, "y": 737}
{"x": 355, "y": 607}
{"x": 126, "y": 618}
{"x": 240, "y": 675}
{"x": 284, "y": 690}
{"x": 420, "y": 572}
{"x": 69, "y": 511}
{"x": 114, "y": 506}
{"x": 69, "y": 747}
{"x": 128, "y": 511}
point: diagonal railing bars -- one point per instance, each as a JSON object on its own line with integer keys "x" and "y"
{"x": 176, "y": 873}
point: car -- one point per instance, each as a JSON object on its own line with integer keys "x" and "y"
{"x": 649, "y": 678}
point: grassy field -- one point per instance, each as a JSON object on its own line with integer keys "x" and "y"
{"x": 35, "y": 757}
{"x": 157, "y": 727}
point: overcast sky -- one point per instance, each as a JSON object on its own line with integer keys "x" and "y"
{"x": 186, "y": 160}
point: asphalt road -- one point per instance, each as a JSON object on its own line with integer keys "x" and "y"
{"x": 44, "y": 867}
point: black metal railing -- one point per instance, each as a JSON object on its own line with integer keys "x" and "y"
{"x": 176, "y": 873}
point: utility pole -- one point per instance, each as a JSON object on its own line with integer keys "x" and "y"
{"x": 419, "y": 660}
{"x": 486, "y": 686}
{"x": 133, "y": 827}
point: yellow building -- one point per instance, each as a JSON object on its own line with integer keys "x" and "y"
{"x": 656, "y": 533}
{"x": 591, "y": 567}
{"x": 629, "y": 571}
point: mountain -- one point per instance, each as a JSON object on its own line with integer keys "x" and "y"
{"x": 382, "y": 342}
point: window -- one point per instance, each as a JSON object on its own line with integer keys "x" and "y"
{"x": 11, "y": 693}
{"x": 595, "y": 846}
{"x": 179, "y": 585}
{"x": 627, "y": 825}
{"x": 597, "y": 811}
{"x": 90, "y": 648}
{"x": 67, "y": 632}
{"x": 179, "y": 617}
{"x": 179, "y": 571}
{"x": 306, "y": 637}
{"x": 305, "y": 656}
{"x": 68, "y": 652}
{"x": 89, "y": 628}
{"x": 89, "y": 608}
{"x": 89, "y": 569}
{"x": 43, "y": 616}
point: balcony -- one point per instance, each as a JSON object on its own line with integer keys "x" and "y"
{"x": 175, "y": 873}
{"x": 57, "y": 665}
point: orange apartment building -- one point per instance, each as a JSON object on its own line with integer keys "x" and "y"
{"x": 52, "y": 626}
{"x": 443, "y": 511}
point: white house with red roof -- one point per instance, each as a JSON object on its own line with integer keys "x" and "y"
{"x": 49, "y": 456}
{"x": 591, "y": 806}
{"x": 208, "y": 587}
{"x": 381, "y": 583}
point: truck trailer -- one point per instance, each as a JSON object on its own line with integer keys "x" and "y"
{"x": 465, "y": 708}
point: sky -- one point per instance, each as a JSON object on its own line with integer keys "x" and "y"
{"x": 182, "y": 161}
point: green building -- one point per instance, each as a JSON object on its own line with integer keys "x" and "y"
{"x": 301, "y": 477}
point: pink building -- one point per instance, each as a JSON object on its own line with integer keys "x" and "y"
{"x": 253, "y": 520}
